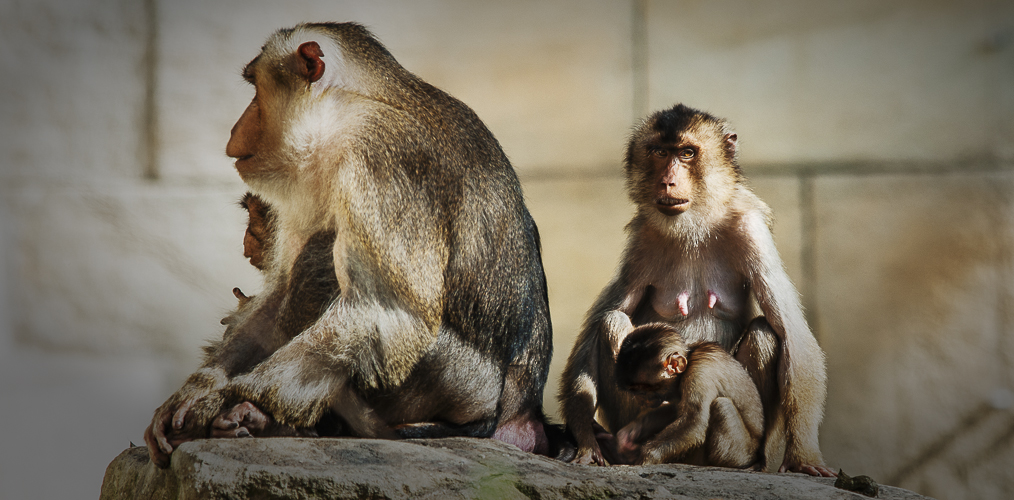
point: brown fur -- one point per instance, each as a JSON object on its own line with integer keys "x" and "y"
{"x": 404, "y": 293}
{"x": 678, "y": 255}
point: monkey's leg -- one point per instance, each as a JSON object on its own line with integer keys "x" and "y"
{"x": 359, "y": 415}
{"x": 759, "y": 351}
{"x": 728, "y": 444}
{"x": 521, "y": 419}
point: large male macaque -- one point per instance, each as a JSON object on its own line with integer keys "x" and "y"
{"x": 699, "y": 251}
{"x": 404, "y": 294}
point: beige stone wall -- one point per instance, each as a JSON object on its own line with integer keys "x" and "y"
{"x": 882, "y": 134}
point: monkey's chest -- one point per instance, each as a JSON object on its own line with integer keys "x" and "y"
{"x": 695, "y": 300}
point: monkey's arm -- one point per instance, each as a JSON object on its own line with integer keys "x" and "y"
{"x": 186, "y": 415}
{"x": 579, "y": 394}
{"x": 632, "y": 436}
{"x": 651, "y": 423}
{"x": 801, "y": 371}
{"x": 688, "y": 431}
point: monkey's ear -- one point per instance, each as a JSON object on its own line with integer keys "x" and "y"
{"x": 729, "y": 143}
{"x": 675, "y": 364}
{"x": 306, "y": 62}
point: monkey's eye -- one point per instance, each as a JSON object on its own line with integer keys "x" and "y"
{"x": 659, "y": 152}
{"x": 686, "y": 153}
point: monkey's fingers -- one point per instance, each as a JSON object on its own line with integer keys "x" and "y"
{"x": 157, "y": 430}
{"x": 181, "y": 413}
{"x": 233, "y": 432}
{"x": 242, "y": 420}
{"x": 158, "y": 446}
{"x": 589, "y": 457}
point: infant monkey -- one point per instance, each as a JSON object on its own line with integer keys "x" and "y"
{"x": 705, "y": 408}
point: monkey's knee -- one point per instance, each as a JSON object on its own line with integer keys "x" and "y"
{"x": 760, "y": 336}
{"x": 759, "y": 347}
{"x": 759, "y": 351}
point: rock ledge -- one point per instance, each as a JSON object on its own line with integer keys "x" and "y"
{"x": 301, "y": 468}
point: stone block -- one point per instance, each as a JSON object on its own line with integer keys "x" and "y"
{"x": 551, "y": 80}
{"x": 73, "y": 91}
{"x": 440, "y": 468}
{"x": 817, "y": 81}
{"x": 581, "y": 224}
{"x": 123, "y": 269}
{"x": 913, "y": 303}
{"x": 73, "y": 412}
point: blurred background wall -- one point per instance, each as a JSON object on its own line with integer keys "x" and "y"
{"x": 881, "y": 133}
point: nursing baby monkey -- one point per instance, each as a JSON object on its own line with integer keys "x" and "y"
{"x": 705, "y": 407}
{"x": 699, "y": 254}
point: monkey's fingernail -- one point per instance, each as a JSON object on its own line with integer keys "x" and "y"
{"x": 243, "y": 433}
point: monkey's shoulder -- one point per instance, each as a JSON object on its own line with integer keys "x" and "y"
{"x": 708, "y": 350}
{"x": 748, "y": 208}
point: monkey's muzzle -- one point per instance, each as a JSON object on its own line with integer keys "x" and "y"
{"x": 672, "y": 206}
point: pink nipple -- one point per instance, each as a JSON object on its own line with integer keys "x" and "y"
{"x": 683, "y": 299}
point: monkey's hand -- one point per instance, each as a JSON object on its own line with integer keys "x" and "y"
{"x": 601, "y": 451}
{"x": 589, "y": 456}
{"x": 242, "y": 420}
{"x": 813, "y": 470}
{"x": 184, "y": 416}
{"x": 628, "y": 443}
{"x": 247, "y": 420}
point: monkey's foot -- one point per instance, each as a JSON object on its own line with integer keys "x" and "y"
{"x": 813, "y": 470}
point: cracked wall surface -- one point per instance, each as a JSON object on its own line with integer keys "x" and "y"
{"x": 882, "y": 135}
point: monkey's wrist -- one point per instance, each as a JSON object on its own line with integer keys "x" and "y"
{"x": 208, "y": 379}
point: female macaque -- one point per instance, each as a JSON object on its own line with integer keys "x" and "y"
{"x": 705, "y": 408}
{"x": 699, "y": 254}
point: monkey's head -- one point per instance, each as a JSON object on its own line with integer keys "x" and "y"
{"x": 301, "y": 78}
{"x": 650, "y": 361}
{"x": 681, "y": 167}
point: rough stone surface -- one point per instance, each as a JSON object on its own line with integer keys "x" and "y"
{"x": 443, "y": 468}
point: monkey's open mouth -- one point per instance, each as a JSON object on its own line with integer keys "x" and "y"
{"x": 671, "y": 206}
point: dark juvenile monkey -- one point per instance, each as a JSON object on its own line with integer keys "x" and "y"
{"x": 404, "y": 292}
{"x": 699, "y": 252}
{"x": 259, "y": 229}
{"x": 706, "y": 409}
{"x": 256, "y": 240}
